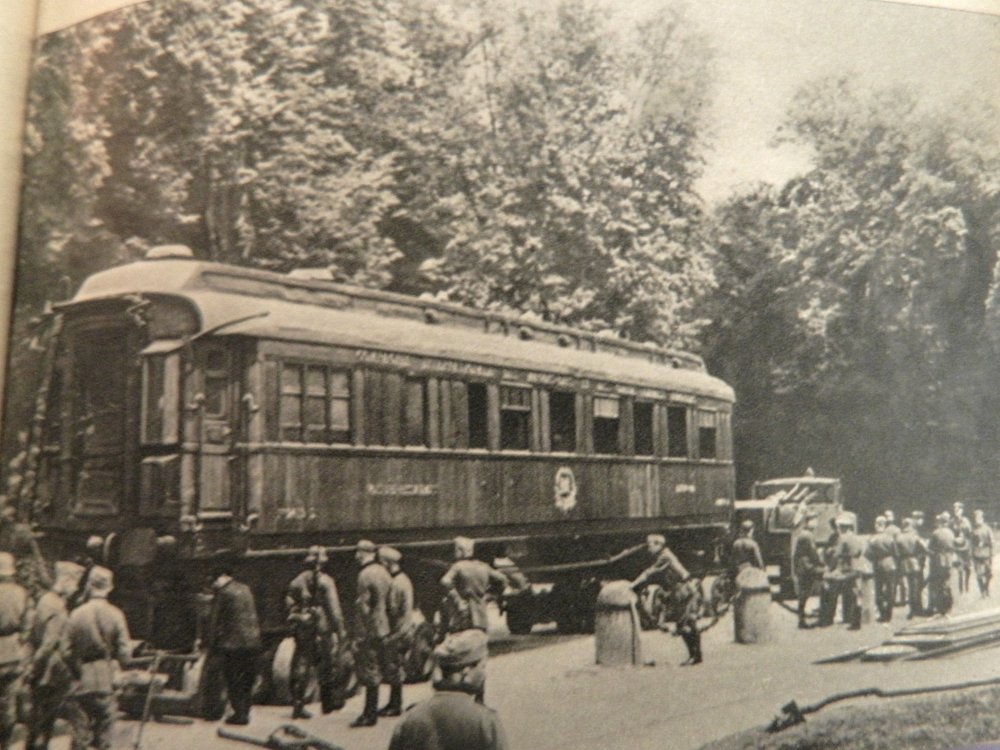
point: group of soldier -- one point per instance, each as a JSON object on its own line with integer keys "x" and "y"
{"x": 382, "y": 637}
{"x": 58, "y": 655}
{"x": 902, "y": 563}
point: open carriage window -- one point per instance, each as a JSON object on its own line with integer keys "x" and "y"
{"x": 515, "y": 418}
{"x": 642, "y": 424}
{"x": 607, "y": 414}
{"x": 707, "y": 435}
{"x": 160, "y": 399}
{"x": 677, "y": 431}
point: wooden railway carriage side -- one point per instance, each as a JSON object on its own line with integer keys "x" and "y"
{"x": 197, "y": 408}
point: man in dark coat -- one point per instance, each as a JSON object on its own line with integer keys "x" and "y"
{"x": 451, "y": 719}
{"x": 848, "y": 575}
{"x": 668, "y": 572}
{"x": 98, "y": 637}
{"x": 882, "y": 553}
{"x": 912, "y": 554}
{"x": 469, "y": 582}
{"x": 372, "y": 627}
{"x": 399, "y": 608}
{"x": 806, "y": 565}
{"x": 234, "y": 641}
{"x": 314, "y": 612}
{"x": 50, "y": 674}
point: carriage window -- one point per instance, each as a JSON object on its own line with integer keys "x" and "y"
{"x": 160, "y": 399}
{"x": 314, "y": 404}
{"x": 562, "y": 421}
{"x": 414, "y": 412}
{"x": 707, "y": 435}
{"x": 677, "y": 432}
{"x": 478, "y": 410}
{"x": 216, "y": 383}
{"x": 515, "y": 418}
{"x": 642, "y": 419}
{"x": 606, "y": 419}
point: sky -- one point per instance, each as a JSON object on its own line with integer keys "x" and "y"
{"x": 767, "y": 49}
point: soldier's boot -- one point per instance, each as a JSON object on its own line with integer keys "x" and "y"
{"x": 693, "y": 643}
{"x": 395, "y": 705}
{"x": 299, "y": 711}
{"x": 369, "y": 716}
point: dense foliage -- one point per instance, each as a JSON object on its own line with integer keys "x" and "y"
{"x": 542, "y": 159}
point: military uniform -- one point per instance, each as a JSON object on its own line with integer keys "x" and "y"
{"x": 941, "y": 550}
{"x": 745, "y": 553}
{"x": 98, "y": 637}
{"x": 807, "y": 567}
{"x": 371, "y": 629}
{"x": 912, "y": 553}
{"x": 668, "y": 572}
{"x": 401, "y": 627}
{"x": 982, "y": 556}
{"x": 882, "y": 554}
{"x": 50, "y": 675}
{"x": 318, "y": 625}
{"x": 15, "y": 622}
{"x": 234, "y": 644}
{"x": 849, "y": 551}
{"x": 451, "y": 719}
{"x": 469, "y": 582}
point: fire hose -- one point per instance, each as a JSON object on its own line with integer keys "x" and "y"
{"x": 793, "y": 714}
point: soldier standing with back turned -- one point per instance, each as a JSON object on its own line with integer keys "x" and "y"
{"x": 318, "y": 625}
{"x": 806, "y": 565}
{"x": 50, "y": 676}
{"x": 882, "y": 552}
{"x": 912, "y": 553}
{"x": 982, "y": 552}
{"x": 940, "y": 550}
{"x": 469, "y": 582}
{"x": 397, "y": 644}
{"x": 98, "y": 637}
{"x": 374, "y": 583}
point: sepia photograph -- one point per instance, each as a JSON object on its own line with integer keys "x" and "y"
{"x": 500, "y": 375}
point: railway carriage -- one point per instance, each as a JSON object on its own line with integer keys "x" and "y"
{"x": 194, "y": 409}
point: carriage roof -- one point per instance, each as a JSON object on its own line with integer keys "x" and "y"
{"x": 235, "y": 301}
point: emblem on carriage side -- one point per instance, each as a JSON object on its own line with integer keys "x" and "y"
{"x": 565, "y": 486}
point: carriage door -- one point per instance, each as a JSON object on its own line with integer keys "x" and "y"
{"x": 216, "y": 410}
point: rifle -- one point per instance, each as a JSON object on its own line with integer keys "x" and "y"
{"x": 285, "y": 737}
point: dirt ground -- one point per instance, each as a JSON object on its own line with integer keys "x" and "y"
{"x": 553, "y": 696}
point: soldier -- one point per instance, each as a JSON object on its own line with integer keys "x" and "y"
{"x": 806, "y": 565}
{"x": 848, "y": 554}
{"x": 98, "y": 636}
{"x": 15, "y": 622}
{"x": 50, "y": 675}
{"x": 912, "y": 553}
{"x": 882, "y": 554}
{"x": 399, "y": 608}
{"x": 451, "y": 719}
{"x": 374, "y": 583}
{"x": 890, "y": 523}
{"x": 468, "y": 581}
{"x": 982, "y": 552}
{"x": 234, "y": 641}
{"x": 745, "y": 552}
{"x": 963, "y": 559}
{"x": 673, "y": 578}
{"x": 940, "y": 549}
{"x": 317, "y": 620}
{"x": 830, "y": 588}
{"x": 959, "y": 523}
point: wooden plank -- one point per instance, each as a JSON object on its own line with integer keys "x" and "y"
{"x": 460, "y": 414}
{"x": 545, "y": 422}
{"x": 358, "y": 410}
{"x": 536, "y": 421}
{"x": 392, "y": 407}
{"x": 626, "y": 426}
{"x": 271, "y": 399}
{"x": 434, "y": 412}
{"x": 493, "y": 416}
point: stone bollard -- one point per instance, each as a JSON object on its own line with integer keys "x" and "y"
{"x": 616, "y": 625}
{"x": 752, "y": 607}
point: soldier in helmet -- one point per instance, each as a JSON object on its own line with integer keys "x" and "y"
{"x": 372, "y": 628}
{"x": 314, "y": 611}
{"x": 674, "y": 578}
{"x": 98, "y": 636}
{"x": 50, "y": 675}
{"x": 982, "y": 552}
{"x": 15, "y": 623}
{"x": 848, "y": 576}
{"x": 912, "y": 553}
{"x": 806, "y": 564}
{"x": 469, "y": 581}
{"x": 940, "y": 549}
{"x": 399, "y": 608}
{"x": 882, "y": 552}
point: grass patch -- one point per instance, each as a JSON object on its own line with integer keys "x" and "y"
{"x": 947, "y": 720}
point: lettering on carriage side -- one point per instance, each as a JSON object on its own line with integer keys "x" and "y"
{"x": 685, "y": 489}
{"x": 401, "y": 490}
{"x": 442, "y": 366}
{"x": 565, "y": 489}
